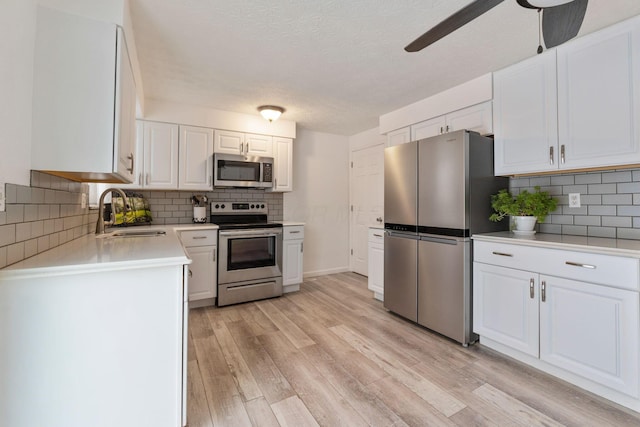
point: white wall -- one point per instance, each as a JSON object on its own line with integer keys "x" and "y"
{"x": 17, "y": 41}
{"x": 320, "y": 198}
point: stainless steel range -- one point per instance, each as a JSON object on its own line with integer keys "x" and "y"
{"x": 250, "y": 261}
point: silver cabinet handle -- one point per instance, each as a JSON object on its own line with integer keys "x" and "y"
{"x": 210, "y": 179}
{"x": 275, "y": 184}
{"x": 531, "y": 292}
{"x": 246, "y": 148}
{"x": 199, "y": 237}
{"x": 577, "y": 264}
{"x": 130, "y": 157}
{"x": 242, "y": 148}
{"x": 302, "y": 247}
{"x": 147, "y": 179}
{"x": 447, "y": 128}
{"x": 543, "y": 291}
{"x": 140, "y": 178}
{"x": 294, "y": 232}
{"x": 190, "y": 273}
{"x": 562, "y": 154}
{"x": 214, "y": 255}
{"x": 502, "y": 254}
{"x": 441, "y": 129}
{"x": 550, "y": 155}
{"x": 378, "y": 235}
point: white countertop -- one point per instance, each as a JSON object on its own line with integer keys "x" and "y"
{"x": 107, "y": 252}
{"x": 623, "y": 247}
{"x": 290, "y": 223}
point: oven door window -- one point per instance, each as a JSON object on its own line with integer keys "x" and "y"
{"x": 231, "y": 170}
{"x": 251, "y": 252}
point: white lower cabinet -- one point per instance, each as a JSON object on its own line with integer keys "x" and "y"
{"x": 376, "y": 263}
{"x": 292, "y": 257}
{"x": 573, "y": 314}
{"x": 201, "y": 247}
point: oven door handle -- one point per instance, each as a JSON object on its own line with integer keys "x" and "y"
{"x": 251, "y": 233}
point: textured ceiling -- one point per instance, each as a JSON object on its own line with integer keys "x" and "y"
{"x": 335, "y": 65}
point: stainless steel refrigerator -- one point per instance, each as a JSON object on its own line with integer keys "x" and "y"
{"x": 437, "y": 193}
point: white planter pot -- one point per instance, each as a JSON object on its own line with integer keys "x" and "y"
{"x": 524, "y": 223}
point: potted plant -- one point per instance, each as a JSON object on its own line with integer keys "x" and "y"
{"x": 525, "y": 208}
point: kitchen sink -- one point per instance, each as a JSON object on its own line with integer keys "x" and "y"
{"x": 136, "y": 233}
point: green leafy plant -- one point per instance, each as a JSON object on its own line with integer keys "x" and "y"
{"x": 538, "y": 204}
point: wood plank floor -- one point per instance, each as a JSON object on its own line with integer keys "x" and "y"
{"x": 331, "y": 355}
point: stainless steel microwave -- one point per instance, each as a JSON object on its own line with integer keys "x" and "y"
{"x": 235, "y": 170}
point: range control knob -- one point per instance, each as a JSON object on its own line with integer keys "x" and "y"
{"x": 217, "y": 206}
{"x": 253, "y": 206}
{"x": 262, "y": 206}
{"x": 222, "y": 206}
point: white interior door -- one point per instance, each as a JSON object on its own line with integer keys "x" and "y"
{"x": 367, "y": 201}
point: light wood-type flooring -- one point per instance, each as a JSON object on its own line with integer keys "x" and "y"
{"x": 331, "y": 355}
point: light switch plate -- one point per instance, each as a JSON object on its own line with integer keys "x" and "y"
{"x": 83, "y": 201}
{"x": 574, "y": 200}
{"x": 3, "y": 196}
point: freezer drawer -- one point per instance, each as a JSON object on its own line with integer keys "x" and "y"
{"x": 444, "y": 287}
{"x": 400, "y": 275}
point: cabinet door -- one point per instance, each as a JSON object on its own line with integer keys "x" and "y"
{"x": 591, "y": 330}
{"x": 525, "y": 116}
{"x": 283, "y": 158}
{"x": 599, "y": 97}
{"x": 228, "y": 142}
{"x": 505, "y": 306}
{"x": 125, "y": 115}
{"x": 138, "y": 179}
{"x": 428, "y": 128}
{"x": 292, "y": 262}
{"x": 160, "y": 155}
{"x": 196, "y": 158}
{"x": 202, "y": 276}
{"x": 258, "y": 145}
{"x": 478, "y": 118}
{"x": 376, "y": 268}
{"x": 399, "y": 136}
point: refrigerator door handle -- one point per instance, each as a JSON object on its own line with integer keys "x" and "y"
{"x": 402, "y": 235}
{"x": 439, "y": 240}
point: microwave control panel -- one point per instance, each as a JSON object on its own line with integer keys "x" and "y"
{"x": 267, "y": 172}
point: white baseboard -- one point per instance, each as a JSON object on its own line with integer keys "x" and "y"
{"x": 307, "y": 274}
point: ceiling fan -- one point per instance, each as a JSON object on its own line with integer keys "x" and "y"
{"x": 561, "y": 21}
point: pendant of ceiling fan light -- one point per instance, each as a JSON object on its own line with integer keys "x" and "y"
{"x": 539, "y": 32}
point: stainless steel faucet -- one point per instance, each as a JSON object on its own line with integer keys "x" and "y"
{"x": 101, "y": 222}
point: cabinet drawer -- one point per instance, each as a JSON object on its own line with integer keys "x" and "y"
{"x": 619, "y": 272}
{"x": 293, "y": 232}
{"x": 199, "y": 238}
{"x": 376, "y": 235}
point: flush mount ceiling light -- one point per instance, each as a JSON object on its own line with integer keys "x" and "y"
{"x": 270, "y": 112}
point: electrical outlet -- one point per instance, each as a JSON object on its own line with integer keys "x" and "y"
{"x": 83, "y": 201}
{"x": 574, "y": 200}
{"x": 3, "y": 195}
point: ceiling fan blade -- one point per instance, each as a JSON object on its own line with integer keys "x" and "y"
{"x": 562, "y": 23}
{"x": 452, "y": 23}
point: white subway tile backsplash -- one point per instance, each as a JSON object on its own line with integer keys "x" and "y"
{"x": 610, "y": 203}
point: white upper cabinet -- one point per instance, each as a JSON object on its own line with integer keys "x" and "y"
{"x": 428, "y": 128}
{"x": 160, "y": 155}
{"x": 195, "y": 170}
{"x": 283, "y": 167}
{"x": 525, "y": 116}
{"x": 399, "y": 136}
{"x": 477, "y": 118}
{"x": 242, "y": 143}
{"x": 574, "y": 107}
{"x": 599, "y": 98}
{"x": 83, "y": 99}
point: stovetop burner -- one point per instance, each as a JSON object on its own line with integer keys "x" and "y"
{"x": 240, "y": 215}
